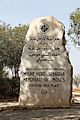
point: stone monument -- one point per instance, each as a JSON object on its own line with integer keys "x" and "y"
{"x": 45, "y": 69}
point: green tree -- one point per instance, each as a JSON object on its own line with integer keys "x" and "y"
{"x": 4, "y": 45}
{"x": 11, "y": 45}
{"x": 74, "y": 31}
{"x": 18, "y": 37}
{"x": 76, "y": 80}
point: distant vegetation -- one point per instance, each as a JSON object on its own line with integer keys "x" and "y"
{"x": 74, "y": 31}
{"x": 74, "y": 35}
{"x": 11, "y": 45}
{"x": 76, "y": 80}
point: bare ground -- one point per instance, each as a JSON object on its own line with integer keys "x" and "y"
{"x": 12, "y": 111}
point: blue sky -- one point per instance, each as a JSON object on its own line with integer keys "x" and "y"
{"x": 17, "y": 12}
{"x": 24, "y": 11}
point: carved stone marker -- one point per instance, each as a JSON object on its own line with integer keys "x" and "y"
{"x": 45, "y": 70}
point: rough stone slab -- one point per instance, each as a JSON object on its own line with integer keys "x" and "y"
{"x": 45, "y": 69}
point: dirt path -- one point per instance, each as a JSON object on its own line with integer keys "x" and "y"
{"x": 45, "y": 114}
{"x": 14, "y": 112}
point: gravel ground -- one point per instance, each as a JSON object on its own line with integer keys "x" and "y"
{"x": 16, "y": 113}
{"x": 44, "y": 114}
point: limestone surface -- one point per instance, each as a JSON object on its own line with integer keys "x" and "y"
{"x": 45, "y": 69}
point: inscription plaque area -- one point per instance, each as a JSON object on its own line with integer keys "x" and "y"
{"x": 45, "y": 69}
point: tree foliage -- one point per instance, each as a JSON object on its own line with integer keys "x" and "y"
{"x": 11, "y": 45}
{"x": 76, "y": 80}
{"x": 74, "y": 31}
